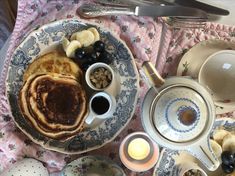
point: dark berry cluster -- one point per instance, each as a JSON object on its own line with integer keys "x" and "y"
{"x": 92, "y": 54}
{"x": 228, "y": 161}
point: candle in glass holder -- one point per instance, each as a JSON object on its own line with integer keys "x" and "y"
{"x": 138, "y": 152}
{"x": 138, "y": 149}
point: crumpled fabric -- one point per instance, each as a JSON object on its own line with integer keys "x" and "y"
{"x": 148, "y": 39}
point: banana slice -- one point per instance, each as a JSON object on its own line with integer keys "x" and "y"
{"x": 73, "y": 37}
{"x": 232, "y": 174}
{"x": 70, "y": 49}
{"x": 228, "y": 143}
{"x": 219, "y": 134}
{"x": 217, "y": 149}
{"x": 65, "y": 43}
{"x": 85, "y": 37}
{"x": 95, "y": 33}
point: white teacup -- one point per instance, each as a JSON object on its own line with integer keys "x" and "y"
{"x": 218, "y": 74}
{"x": 190, "y": 167}
{"x": 101, "y": 106}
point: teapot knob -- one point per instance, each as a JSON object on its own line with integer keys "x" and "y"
{"x": 152, "y": 74}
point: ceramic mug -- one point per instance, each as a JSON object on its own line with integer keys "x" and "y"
{"x": 217, "y": 74}
{"x": 179, "y": 113}
{"x": 101, "y": 106}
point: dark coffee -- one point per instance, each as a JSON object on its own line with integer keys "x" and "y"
{"x": 100, "y": 105}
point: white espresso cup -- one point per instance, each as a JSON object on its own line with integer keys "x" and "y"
{"x": 101, "y": 106}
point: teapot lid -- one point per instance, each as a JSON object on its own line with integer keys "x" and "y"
{"x": 179, "y": 113}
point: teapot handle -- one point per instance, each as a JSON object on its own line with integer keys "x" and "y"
{"x": 152, "y": 74}
{"x": 204, "y": 153}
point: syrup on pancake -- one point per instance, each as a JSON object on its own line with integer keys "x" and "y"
{"x": 52, "y": 100}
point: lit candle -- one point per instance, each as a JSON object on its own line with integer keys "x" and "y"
{"x": 138, "y": 149}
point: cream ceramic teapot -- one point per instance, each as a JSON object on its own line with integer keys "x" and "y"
{"x": 178, "y": 113}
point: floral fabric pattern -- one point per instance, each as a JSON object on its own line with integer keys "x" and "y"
{"x": 147, "y": 38}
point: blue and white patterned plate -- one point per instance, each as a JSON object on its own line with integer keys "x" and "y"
{"x": 92, "y": 166}
{"x": 169, "y": 160}
{"x": 47, "y": 38}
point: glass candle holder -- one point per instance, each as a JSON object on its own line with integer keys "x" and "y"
{"x": 138, "y": 152}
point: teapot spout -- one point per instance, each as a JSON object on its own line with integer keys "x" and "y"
{"x": 152, "y": 74}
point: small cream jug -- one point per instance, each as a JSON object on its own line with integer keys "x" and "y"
{"x": 178, "y": 113}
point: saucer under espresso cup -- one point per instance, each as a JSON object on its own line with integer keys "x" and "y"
{"x": 138, "y": 152}
{"x": 217, "y": 74}
{"x": 101, "y": 106}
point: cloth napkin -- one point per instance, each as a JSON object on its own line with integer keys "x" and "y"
{"x": 147, "y": 38}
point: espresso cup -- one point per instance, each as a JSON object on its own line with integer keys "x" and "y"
{"x": 101, "y": 106}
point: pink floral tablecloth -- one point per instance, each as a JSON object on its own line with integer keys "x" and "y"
{"x": 148, "y": 39}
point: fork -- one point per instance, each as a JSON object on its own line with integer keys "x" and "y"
{"x": 187, "y": 23}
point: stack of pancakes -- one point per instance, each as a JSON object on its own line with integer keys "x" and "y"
{"x": 52, "y": 98}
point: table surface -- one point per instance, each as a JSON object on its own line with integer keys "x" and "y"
{"x": 227, "y": 4}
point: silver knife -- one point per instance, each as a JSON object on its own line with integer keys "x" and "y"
{"x": 187, "y": 3}
{"x": 92, "y": 10}
{"x": 124, "y": 3}
{"x": 200, "y": 5}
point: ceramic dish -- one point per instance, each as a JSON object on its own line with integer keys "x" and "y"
{"x": 222, "y": 110}
{"x": 169, "y": 159}
{"x": 192, "y": 61}
{"x": 27, "y": 167}
{"x": 222, "y": 85}
{"x": 92, "y": 166}
{"x": 46, "y": 39}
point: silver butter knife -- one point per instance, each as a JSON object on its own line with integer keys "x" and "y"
{"x": 92, "y": 10}
{"x": 187, "y": 3}
{"x": 131, "y": 2}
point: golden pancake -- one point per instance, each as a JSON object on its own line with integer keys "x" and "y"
{"x": 59, "y": 100}
{"x": 54, "y": 62}
{"x": 54, "y": 104}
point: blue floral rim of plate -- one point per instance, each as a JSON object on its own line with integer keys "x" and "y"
{"x": 166, "y": 165}
{"x": 95, "y": 165}
{"x": 50, "y": 35}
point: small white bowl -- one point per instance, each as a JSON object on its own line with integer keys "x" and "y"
{"x": 217, "y": 74}
{"x": 92, "y": 68}
{"x": 139, "y": 165}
